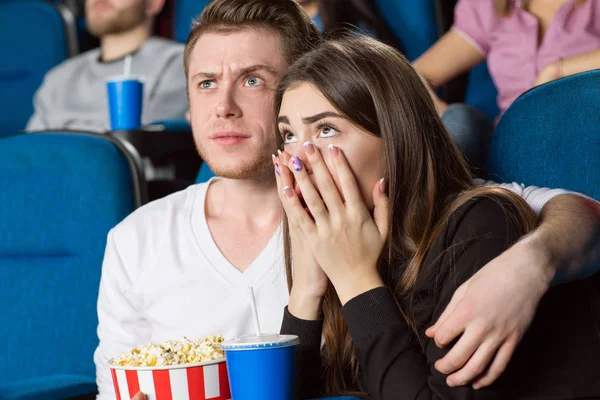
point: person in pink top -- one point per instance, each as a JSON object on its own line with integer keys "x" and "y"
{"x": 526, "y": 43}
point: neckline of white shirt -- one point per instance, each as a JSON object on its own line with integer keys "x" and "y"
{"x": 270, "y": 257}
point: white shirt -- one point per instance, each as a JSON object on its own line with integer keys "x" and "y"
{"x": 163, "y": 277}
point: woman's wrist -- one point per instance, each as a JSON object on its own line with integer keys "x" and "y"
{"x": 351, "y": 286}
{"x": 304, "y": 305}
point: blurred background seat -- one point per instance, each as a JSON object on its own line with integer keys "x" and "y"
{"x": 185, "y": 11}
{"x": 413, "y": 22}
{"x": 550, "y": 137}
{"x": 34, "y": 37}
{"x": 60, "y": 193}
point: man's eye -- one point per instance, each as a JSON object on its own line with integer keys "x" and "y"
{"x": 253, "y": 81}
{"x": 208, "y": 84}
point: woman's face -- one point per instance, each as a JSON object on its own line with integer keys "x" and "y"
{"x": 307, "y": 116}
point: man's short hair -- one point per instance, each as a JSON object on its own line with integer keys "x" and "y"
{"x": 285, "y": 17}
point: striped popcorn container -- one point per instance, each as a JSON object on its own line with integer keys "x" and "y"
{"x": 198, "y": 381}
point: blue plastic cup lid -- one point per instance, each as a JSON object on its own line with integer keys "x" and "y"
{"x": 265, "y": 341}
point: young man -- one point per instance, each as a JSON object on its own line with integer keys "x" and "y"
{"x": 73, "y": 94}
{"x": 181, "y": 265}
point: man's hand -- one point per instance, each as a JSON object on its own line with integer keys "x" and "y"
{"x": 139, "y": 396}
{"x": 492, "y": 311}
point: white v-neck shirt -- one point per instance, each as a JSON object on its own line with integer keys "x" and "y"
{"x": 164, "y": 277}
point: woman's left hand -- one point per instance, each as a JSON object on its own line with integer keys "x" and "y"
{"x": 344, "y": 238}
{"x": 547, "y": 74}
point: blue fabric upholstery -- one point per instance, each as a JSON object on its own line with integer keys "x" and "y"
{"x": 32, "y": 40}
{"x": 550, "y": 136}
{"x": 413, "y": 22}
{"x": 185, "y": 12}
{"x": 44, "y": 388}
{"x": 204, "y": 174}
{"x": 481, "y": 91}
{"x": 61, "y": 194}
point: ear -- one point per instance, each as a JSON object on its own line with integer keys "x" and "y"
{"x": 154, "y": 7}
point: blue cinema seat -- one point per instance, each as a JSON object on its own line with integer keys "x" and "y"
{"x": 60, "y": 195}
{"x": 550, "y": 136}
{"x": 481, "y": 91}
{"x": 185, "y": 12}
{"x": 413, "y": 22}
{"x": 34, "y": 37}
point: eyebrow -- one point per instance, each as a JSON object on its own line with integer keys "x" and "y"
{"x": 310, "y": 120}
{"x": 243, "y": 71}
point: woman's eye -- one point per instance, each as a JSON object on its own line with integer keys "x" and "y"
{"x": 208, "y": 84}
{"x": 253, "y": 81}
{"x": 327, "y": 131}
{"x": 288, "y": 137}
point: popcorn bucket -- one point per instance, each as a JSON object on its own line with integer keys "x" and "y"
{"x": 198, "y": 381}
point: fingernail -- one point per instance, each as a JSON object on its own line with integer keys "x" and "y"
{"x": 279, "y": 152}
{"x": 382, "y": 185}
{"x": 277, "y": 170}
{"x": 310, "y": 149}
{"x": 476, "y": 386}
{"x": 288, "y": 191}
{"x": 334, "y": 150}
{"x": 297, "y": 163}
{"x": 450, "y": 382}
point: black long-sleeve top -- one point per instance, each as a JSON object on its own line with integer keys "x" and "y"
{"x": 558, "y": 357}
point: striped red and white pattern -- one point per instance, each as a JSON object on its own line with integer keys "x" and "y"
{"x": 204, "y": 382}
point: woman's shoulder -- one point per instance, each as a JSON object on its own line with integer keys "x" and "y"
{"x": 484, "y": 214}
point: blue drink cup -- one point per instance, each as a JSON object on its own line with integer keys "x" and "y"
{"x": 125, "y": 100}
{"x": 262, "y": 367}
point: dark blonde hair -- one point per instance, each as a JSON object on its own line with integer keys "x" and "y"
{"x": 505, "y": 7}
{"x": 284, "y": 17}
{"x": 376, "y": 88}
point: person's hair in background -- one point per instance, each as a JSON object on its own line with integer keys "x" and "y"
{"x": 427, "y": 177}
{"x": 356, "y": 14}
{"x": 504, "y": 7}
{"x": 285, "y": 17}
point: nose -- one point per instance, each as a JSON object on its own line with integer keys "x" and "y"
{"x": 227, "y": 106}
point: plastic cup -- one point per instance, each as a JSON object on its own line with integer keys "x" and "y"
{"x": 262, "y": 367}
{"x": 125, "y": 102}
{"x": 197, "y": 381}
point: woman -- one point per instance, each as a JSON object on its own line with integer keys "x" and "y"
{"x": 526, "y": 43}
{"x": 376, "y": 260}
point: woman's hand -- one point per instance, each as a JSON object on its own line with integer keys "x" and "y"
{"x": 343, "y": 237}
{"x": 310, "y": 282}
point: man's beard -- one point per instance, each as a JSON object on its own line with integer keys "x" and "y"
{"x": 120, "y": 22}
{"x": 257, "y": 167}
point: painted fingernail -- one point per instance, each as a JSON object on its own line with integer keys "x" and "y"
{"x": 382, "y": 185}
{"x": 310, "y": 149}
{"x": 297, "y": 163}
{"x": 288, "y": 191}
{"x": 334, "y": 150}
{"x": 277, "y": 170}
{"x": 279, "y": 152}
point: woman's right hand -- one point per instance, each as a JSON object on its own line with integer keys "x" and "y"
{"x": 310, "y": 282}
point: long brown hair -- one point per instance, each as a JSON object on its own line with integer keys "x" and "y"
{"x": 375, "y": 87}
{"x": 505, "y": 7}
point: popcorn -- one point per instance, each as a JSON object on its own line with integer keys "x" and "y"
{"x": 172, "y": 352}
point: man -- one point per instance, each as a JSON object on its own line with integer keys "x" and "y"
{"x": 73, "y": 94}
{"x": 181, "y": 265}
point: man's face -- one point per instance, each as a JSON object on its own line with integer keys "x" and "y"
{"x": 114, "y": 16}
{"x": 232, "y": 79}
